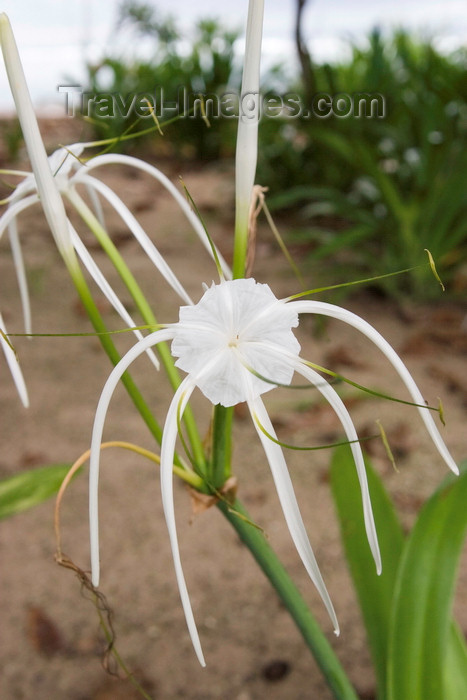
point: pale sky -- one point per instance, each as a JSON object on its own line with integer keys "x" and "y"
{"x": 56, "y": 36}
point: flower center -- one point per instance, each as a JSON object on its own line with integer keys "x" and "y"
{"x": 234, "y": 342}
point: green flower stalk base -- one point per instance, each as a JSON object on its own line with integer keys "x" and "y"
{"x": 272, "y": 567}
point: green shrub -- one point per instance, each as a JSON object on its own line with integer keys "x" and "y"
{"x": 394, "y": 185}
{"x": 171, "y": 79}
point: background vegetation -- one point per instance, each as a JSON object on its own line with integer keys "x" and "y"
{"x": 376, "y": 192}
{"x": 366, "y": 194}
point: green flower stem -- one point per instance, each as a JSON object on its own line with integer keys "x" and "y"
{"x": 113, "y": 354}
{"x": 99, "y": 326}
{"x": 220, "y": 469}
{"x": 120, "y": 265}
{"x": 145, "y": 310}
{"x": 254, "y": 539}
{"x": 240, "y": 244}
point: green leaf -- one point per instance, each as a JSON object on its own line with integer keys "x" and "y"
{"x": 455, "y": 670}
{"x": 420, "y": 626}
{"x": 344, "y": 239}
{"x": 25, "y": 490}
{"x": 374, "y": 592}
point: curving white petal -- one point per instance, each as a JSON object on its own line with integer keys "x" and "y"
{"x": 20, "y": 274}
{"x": 176, "y": 408}
{"x": 12, "y": 211}
{"x": 169, "y": 186}
{"x": 8, "y": 221}
{"x": 61, "y": 163}
{"x": 319, "y": 307}
{"x": 15, "y": 369}
{"x": 96, "y": 205}
{"x": 169, "y": 436}
{"x": 289, "y": 503}
{"x": 139, "y": 233}
{"x": 25, "y": 187}
{"x": 339, "y": 408}
{"x": 297, "y": 364}
{"x": 64, "y": 160}
{"x": 98, "y": 428}
{"x": 106, "y": 289}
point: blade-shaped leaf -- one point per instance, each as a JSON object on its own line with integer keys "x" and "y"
{"x": 25, "y": 490}
{"x": 374, "y": 592}
{"x": 455, "y": 670}
{"x": 420, "y": 626}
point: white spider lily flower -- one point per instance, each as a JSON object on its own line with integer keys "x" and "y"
{"x": 69, "y": 173}
{"x": 45, "y": 185}
{"x": 235, "y": 344}
{"x": 61, "y": 162}
{"x": 56, "y": 177}
{"x": 225, "y": 328}
{"x": 49, "y": 176}
{"x": 13, "y": 364}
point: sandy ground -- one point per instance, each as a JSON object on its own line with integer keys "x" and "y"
{"x": 50, "y": 645}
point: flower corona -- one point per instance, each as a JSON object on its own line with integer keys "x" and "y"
{"x": 237, "y": 329}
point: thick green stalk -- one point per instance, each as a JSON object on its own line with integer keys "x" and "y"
{"x": 145, "y": 310}
{"x": 326, "y": 659}
{"x": 220, "y": 470}
{"x": 240, "y": 247}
